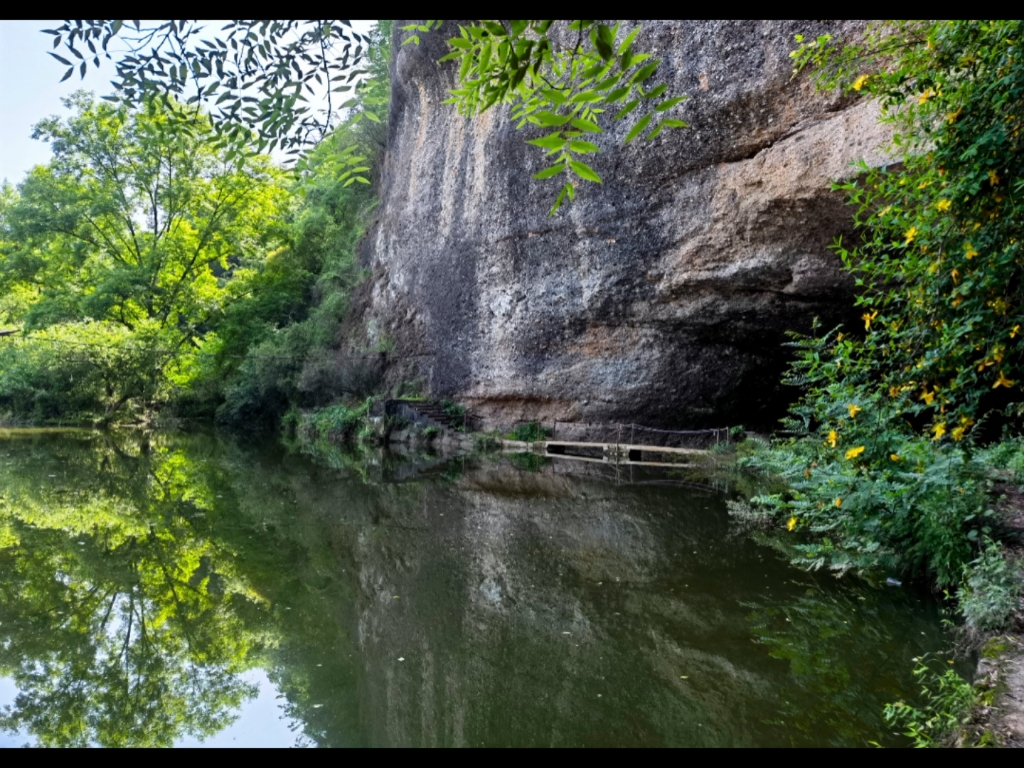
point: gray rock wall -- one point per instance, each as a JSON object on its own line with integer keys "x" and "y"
{"x": 661, "y": 297}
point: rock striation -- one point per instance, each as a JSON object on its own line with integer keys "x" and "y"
{"x": 661, "y": 297}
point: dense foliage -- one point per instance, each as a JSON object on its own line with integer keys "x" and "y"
{"x": 151, "y": 270}
{"x": 255, "y": 78}
{"x": 125, "y": 252}
{"x": 561, "y": 77}
{"x": 885, "y": 465}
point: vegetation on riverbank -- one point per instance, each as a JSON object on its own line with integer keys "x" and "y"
{"x": 892, "y": 454}
{"x": 153, "y": 273}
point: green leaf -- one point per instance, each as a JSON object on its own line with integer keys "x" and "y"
{"x": 638, "y": 128}
{"x": 550, "y": 118}
{"x": 547, "y": 173}
{"x": 644, "y": 73}
{"x": 628, "y": 41}
{"x": 656, "y": 92}
{"x": 583, "y": 147}
{"x": 630, "y": 106}
{"x": 588, "y": 126}
{"x": 584, "y": 171}
{"x": 603, "y": 41}
{"x": 551, "y": 141}
{"x": 672, "y": 123}
{"x": 667, "y": 104}
{"x": 559, "y": 199}
{"x": 618, "y": 94}
{"x": 555, "y": 96}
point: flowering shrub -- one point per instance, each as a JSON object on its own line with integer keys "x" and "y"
{"x": 882, "y": 462}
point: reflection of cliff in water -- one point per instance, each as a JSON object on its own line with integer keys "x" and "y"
{"x": 525, "y": 608}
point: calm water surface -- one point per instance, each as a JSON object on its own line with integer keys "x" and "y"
{"x": 194, "y": 589}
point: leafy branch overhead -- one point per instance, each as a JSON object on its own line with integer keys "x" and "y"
{"x": 258, "y": 81}
{"x": 561, "y": 77}
{"x": 251, "y": 75}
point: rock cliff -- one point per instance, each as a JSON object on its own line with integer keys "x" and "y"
{"x": 660, "y": 297}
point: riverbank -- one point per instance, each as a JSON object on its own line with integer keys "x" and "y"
{"x": 1001, "y": 669}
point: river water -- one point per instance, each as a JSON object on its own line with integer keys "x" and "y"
{"x": 199, "y": 589}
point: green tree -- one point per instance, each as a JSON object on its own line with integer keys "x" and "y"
{"x": 142, "y": 238}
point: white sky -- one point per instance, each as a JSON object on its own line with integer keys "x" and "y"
{"x": 30, "y": 91}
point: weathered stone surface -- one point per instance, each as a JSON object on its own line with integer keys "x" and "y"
{"x": 661, "y": 297}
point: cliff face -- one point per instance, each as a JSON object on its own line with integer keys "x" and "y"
{"x": 661, "y": 296}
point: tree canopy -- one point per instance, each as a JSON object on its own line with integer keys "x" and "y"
{"x": 255, "y": 78}
{"x": 131, "y": 244}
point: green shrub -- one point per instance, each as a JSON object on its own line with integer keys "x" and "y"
{"x": 991, "y": 590}
{"x": 81, "y": 372}
{"x": 455, "y": 412}
{"x": 530, "y": 432}
{"x": 881, "y": 462}
{"x": 947, "y": 702}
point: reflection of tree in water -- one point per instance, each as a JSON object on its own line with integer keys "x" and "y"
{"x": 840, "y": 642}
{"x": 119, "y": 622}
{"x": 140, "y": 577}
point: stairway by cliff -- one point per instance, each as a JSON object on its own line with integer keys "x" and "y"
{"x": 424, "y": 412}
{"x": 662, "y": 296}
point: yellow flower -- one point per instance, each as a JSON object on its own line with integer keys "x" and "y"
{"x": 1015, "y": 332}
{"x": 952, "y": 116}
{"x": 928, "y": 397}
{"x": 943, "y": 205}
{"x": 938, "y": 430}
{"x": 839, "y": 503}
{"x": 867, "y": 319}
{"x": 1002, "y": 381}
{"x": 955, "y": 274}
{"x": 993, "y": 177}
{"x": 839, "y": 337}
{"x": 791, "y": 524}
{"x": 970, "y": 252}
{"x": 854, "y": 410}
{"x": 925, "y": 96}
{"x": 853, "y": 453}
{"x": 910, "y": 234}
{"x": 860, "y": 82}
{"x": 894, "y": 456}
{"x": 833, "y": 439}
{"x": 958, "y": 433}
